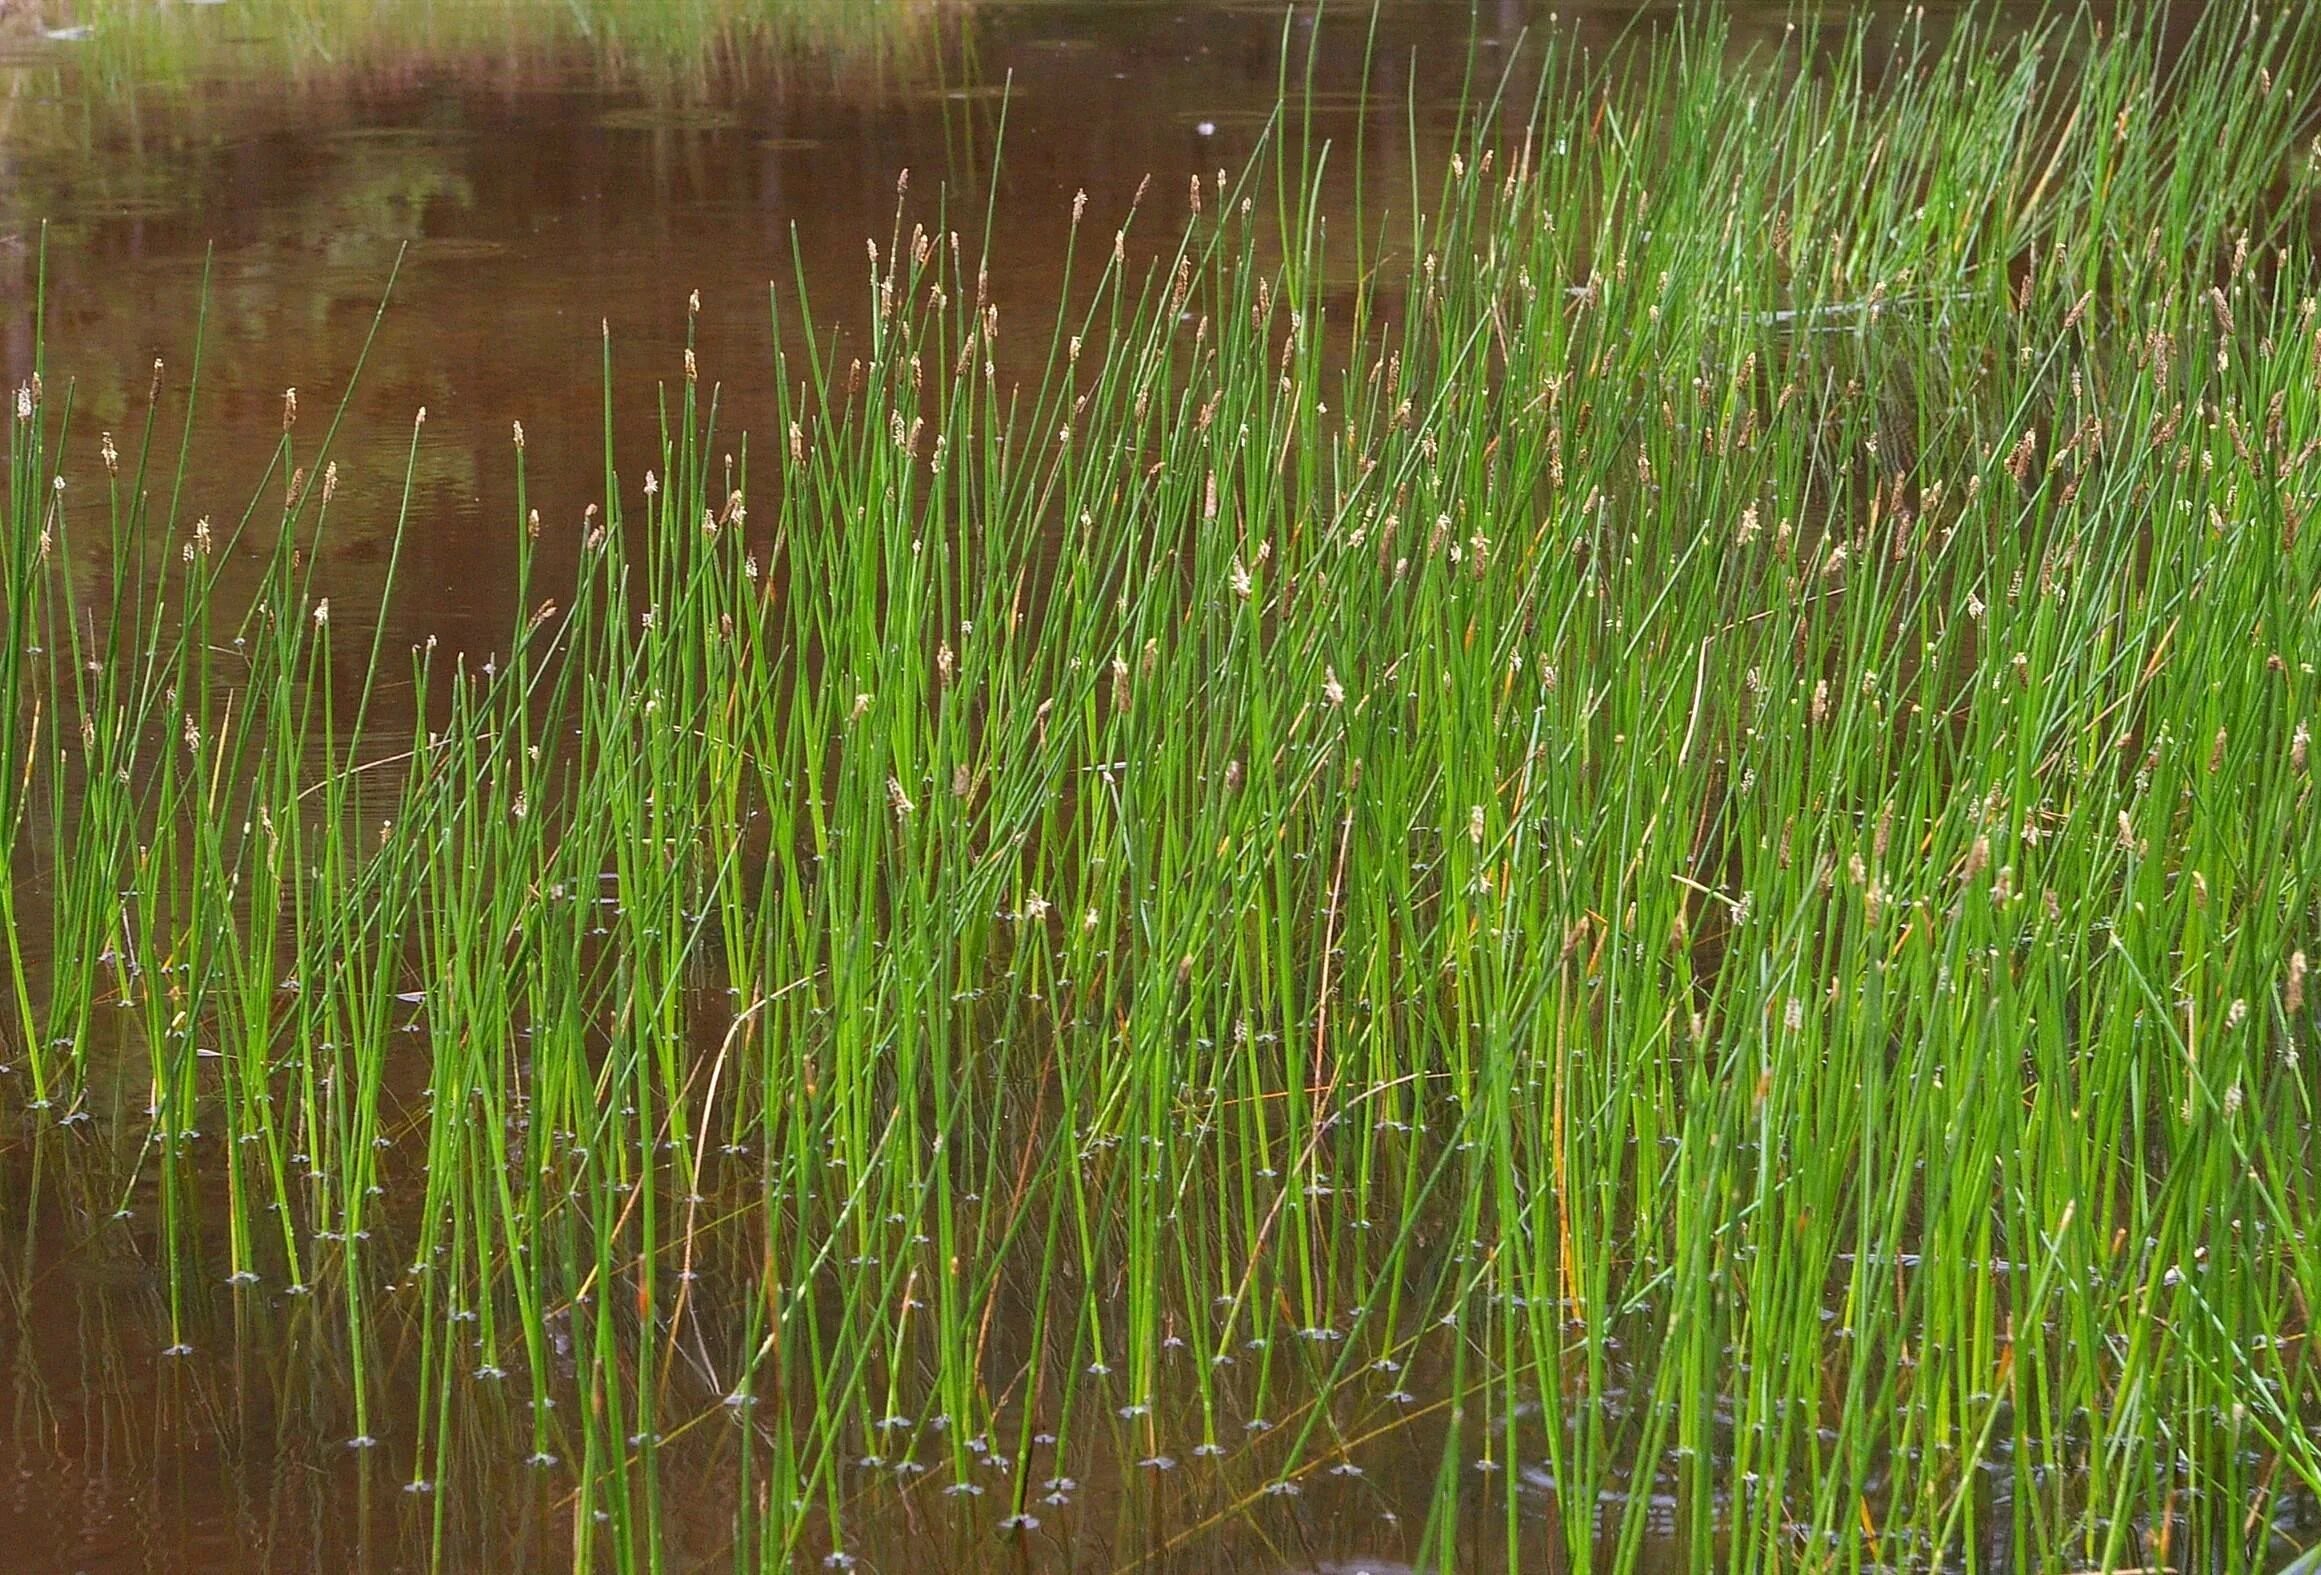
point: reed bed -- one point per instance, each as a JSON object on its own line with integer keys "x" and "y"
{"x": 678, "y": 54}
{"x": 1628, "y": 867}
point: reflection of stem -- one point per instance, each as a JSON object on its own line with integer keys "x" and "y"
{"x": 1014, "y": 1211}
{"x": 1240, "y": 1506}
{"x": 693, "y": 1188}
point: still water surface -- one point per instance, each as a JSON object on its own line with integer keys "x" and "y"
{"x": 536, "y": 202}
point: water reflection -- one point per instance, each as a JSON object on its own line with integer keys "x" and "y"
{"x": 540, "y": 189}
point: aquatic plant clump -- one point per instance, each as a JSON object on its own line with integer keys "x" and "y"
{"x": 1650, "y": 832}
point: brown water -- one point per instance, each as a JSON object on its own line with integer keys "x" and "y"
{"x": 525, "y": 206}
{"x": 531, "y": 209}
{"x": 533, "y": 204}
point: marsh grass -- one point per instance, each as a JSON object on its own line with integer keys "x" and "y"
{"x": 1653, "y": 868}
{"x": 126, "y": 47}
